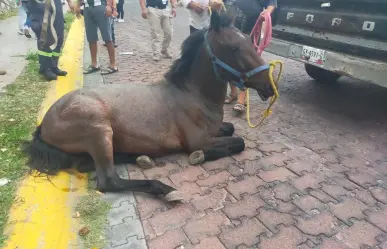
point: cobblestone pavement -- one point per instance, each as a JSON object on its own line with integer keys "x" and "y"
{"x": 313, "y": 176}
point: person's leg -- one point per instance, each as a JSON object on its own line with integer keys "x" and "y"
{"x": 154, "y": 18}
{"x": 166, "y": 24}
{"x": 104, "y": 25}
{"x": 22, "y": 19}
{"x": 240, "y": 105}
{"x": 233, "y": 94}
{"x": 26, "y": 24}
{"x": 59, "y": 29}
{"x": 92, "y": 37}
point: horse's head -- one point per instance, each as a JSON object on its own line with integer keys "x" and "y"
{"x": 234, "y": 57}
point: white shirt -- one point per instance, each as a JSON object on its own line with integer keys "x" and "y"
{"x": 198, "y": 21}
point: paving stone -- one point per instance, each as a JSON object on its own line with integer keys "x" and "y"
{"x": 215, "y": 179}
{"x": 362, "y": 179}
{"x": 285, "y": 191}
{"x": 277, "y": 174}
{"x": 171, "y": 219}
{"x": 273, "y": 147}
{"x": 124, "y": 211}
{"x": 235, "y": 170}
{"x": 248, "y": 185}
{"x": 324, "y": 223}
{"x": 219, "y": 164}
{"x": 379, "y": 218}
{"x": 119, "y": 234}
{"x": 247, "y": 233}
{"x": 287, "y": 238}
{"x": 189, "y": 189}
{"x": 170, "y": 239}
{"x": 332, "y": 243}
{"x": 320, "y": 195}
{"x": 247, "y": 207}
{"x": 272, "y": 219}
{"x": 336, "y": 191}
{"x": 310, "y": 205}
{"x": 379, "y": 194}
{"x": 247, "y": 155}
{"x": 276, "y": 159}
{"x": 301, "y": 167}
{"x": 131, "y": 243}
{"x": 251, "y": 167}
{"x": 207, "y": 226}
{"x": 350, "y": 208}
{"x": 210, "y": 243}
{"x": 189, "y": 174}
{"x": 115, "y": 199}
{"x": 307, "y": 181}
{"x": 214, "y": 200}
{"x": 149, "y": 232}
{"x": 366, "y": 197}
{"x": 148, "y": 205}
{"x": 359, "y": 234}
{"x": 163, "y": 171}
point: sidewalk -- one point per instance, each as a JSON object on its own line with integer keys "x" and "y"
{"x": 13, "y": 50}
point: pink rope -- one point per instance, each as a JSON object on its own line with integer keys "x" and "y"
{"x": 256, "y": 33}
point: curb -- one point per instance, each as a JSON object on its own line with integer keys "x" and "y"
{"x": 41, "y": 216}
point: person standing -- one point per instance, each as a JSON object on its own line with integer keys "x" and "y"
{"x": 23, "y": 28}
{"x": 98, "y": 15}
{"x": 159, "y": 16}
{"x": 50, "y": 44}
{"x": 120, "y": 10}
{"x": 247, "y": 12}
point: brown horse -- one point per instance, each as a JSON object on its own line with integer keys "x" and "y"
{"x": 184, "y": 112}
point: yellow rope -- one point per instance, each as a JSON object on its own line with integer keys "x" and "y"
{"x": 267, "y": 112}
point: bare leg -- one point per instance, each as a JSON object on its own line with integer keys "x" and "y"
{"x": 226, "y": 130}
{"x": 93, "y": 53}
{"x": 218, "y": 147}
{"x": 112, "y": 54}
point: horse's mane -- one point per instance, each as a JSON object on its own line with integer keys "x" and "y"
{"x": 180, "y": 69}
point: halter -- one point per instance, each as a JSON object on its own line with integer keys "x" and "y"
{"x": 243, "y": 77}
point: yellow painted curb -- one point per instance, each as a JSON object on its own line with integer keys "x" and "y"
{"x": 41, "y": 217}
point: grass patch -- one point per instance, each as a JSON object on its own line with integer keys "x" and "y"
{"x": 8, "y": 13}
{"x": 18, "y": 110}
{"x": 19, "y": 105}
{"x": 69, "y": 18}
{"x": 93, "y": 214}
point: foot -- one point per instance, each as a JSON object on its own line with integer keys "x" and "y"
{"x": 230, "y": 98}
{"x": 156, "y": 57}
{"x": 166, "y": 54}
{"x": 174, "y": 196}
{"x": 109, "y": 70}
{"x": 27, "y": 33}
{"x": 20, "y": 32}
{"x": 145, "y": 162}
{"x": 49, "y": 75}
{"x": 238, "y": 107}
{"x": 59, "y": 72}
{"x": 91, "y": 69}
{"x": 196, "y": 157}
{"x": 121, "y": 20}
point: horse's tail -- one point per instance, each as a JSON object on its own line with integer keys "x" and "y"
{"x": 45, "y": 158}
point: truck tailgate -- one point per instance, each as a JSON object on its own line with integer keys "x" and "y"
{"x": 356, "y": 27}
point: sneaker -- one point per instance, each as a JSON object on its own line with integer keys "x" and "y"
{"x": 156, "y": 57}
{"x": 20, "y": 32}
{"x": 166, "y": 54}
{"x": 121, "y": 20}
{"x": 27, "y": 33}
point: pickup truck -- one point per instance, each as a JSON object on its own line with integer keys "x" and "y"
{"x": 334, "y": 38}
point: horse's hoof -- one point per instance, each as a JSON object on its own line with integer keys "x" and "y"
{"x": 145, "y": 162}
{"x": 196, "y": 157}
{"x": 174, "y": 196}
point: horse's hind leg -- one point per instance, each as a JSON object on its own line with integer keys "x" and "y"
{"x": 109, "y": 181}
{"x": 218, "y": 147}
{"x": 226, "y": 130}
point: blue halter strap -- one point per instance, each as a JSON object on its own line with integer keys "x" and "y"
{"x": 243, "y": 77}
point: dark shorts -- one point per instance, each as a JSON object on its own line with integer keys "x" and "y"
{"x": 95, "y": 19}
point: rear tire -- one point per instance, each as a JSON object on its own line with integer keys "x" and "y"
{"x": 321, "y": 75}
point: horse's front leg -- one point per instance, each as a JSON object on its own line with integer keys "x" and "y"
{"x": 217, "y": 147}
{"x": 226, "y": 130}
{"x": 108, "y": 179}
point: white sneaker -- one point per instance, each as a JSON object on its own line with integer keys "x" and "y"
{"x": 20, "y": 32}
{"x": 156, "y": 57}
{"x": 121, "y": 20}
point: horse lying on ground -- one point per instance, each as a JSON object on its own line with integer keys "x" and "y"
{"x": 97, "y": 127}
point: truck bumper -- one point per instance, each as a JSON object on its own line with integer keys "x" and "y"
{"x": 343, "y": 64}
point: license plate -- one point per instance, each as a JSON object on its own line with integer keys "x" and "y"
{"x": 313, "y": 55}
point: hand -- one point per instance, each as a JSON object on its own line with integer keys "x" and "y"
{"x": 196, "y": 7}
{"x": 77, "y": 11}
{"x": 144, "y": 13}
{"x": 173, "y": 12}
{"x": 71, "y": 6}
{"x": 108, "y": 10}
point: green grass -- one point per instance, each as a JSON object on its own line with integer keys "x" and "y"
{"x": 9, "y": 13}
{"x": 19, "y": 105}
{"x": 93, "y": 214}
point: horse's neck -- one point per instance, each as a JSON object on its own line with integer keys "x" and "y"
{"x": 203, "y": 79}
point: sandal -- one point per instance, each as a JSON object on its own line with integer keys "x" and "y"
{"x": 238, "y": 107}
{"x": 230, "y": 98}
{"x": 109, "y": 70}
{"x": 91, "y": 69}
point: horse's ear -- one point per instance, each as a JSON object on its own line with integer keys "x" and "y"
{"x": 215, "y": 20}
